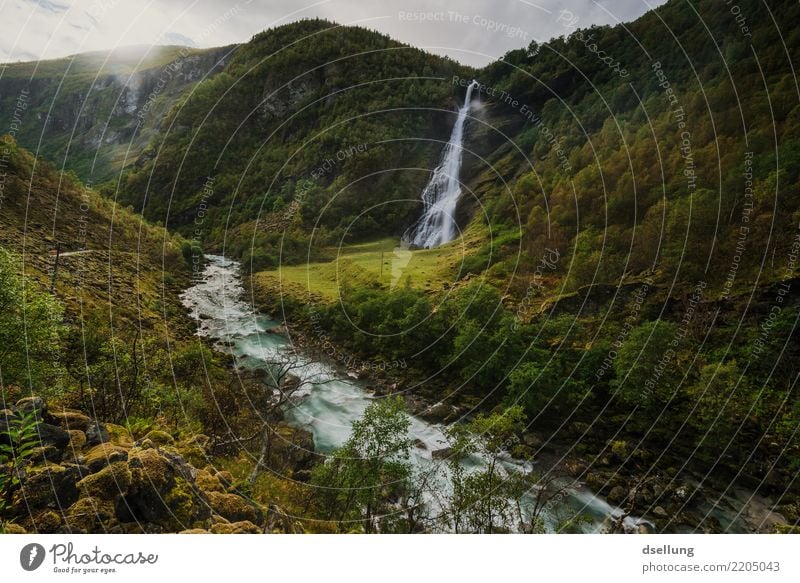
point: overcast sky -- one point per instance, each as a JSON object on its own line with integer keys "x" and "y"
{"x": 471, "y": 31}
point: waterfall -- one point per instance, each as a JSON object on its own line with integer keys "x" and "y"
{"x": 437, "y": 224}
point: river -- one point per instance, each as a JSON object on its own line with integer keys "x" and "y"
{"x": 331, "y": 400}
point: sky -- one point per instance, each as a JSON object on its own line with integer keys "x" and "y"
{"x": 474, "y": 32}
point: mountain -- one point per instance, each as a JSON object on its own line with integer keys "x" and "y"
{"x": 627, "y": 275}
{"x": 94, "y": 113}
{"x": 686, "y": 165}
{"x": 312, "y": 113}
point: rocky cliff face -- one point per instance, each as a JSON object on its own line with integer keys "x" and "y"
{"x": 95, "y": 113}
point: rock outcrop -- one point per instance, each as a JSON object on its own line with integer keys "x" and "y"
{"x": 86, "y": 476}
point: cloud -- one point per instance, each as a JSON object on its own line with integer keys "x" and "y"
{"x": 474, "y": 32}
{"x": 176, "y": 38}
{"x": 53, "y": 7}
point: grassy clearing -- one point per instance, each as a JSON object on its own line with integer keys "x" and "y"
{"x": 381, "y": 264}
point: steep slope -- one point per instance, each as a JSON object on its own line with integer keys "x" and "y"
{"x": 123, "y": 352}
{"x": 303, "y": 115}
{"x": 111, "y": 260}
{"x": 669, "y": 144}
{"x": 94, "y": 113}
{"x": 639, "y": 201}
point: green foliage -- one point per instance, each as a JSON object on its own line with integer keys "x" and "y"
{"x": 22, "y": 436}
{"x": 255, "y": 260}
{"x": 353, "y": 486}
{"x": 542, "y": 383}
{"x": 134, "y": 374}
{"x": 482, "y": 500}
{"x": 664, "y": 189}
{"x": 485, "y": 342}
{"x": 646, "y": 365}
{"x": 192, "y": 253}
{"x": 30, "y": 323}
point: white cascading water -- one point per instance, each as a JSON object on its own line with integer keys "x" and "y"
{"x": 331, "y": 401}
{"x": 437, "y": 224}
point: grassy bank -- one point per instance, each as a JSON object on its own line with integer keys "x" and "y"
{"x": 380, "y": 264}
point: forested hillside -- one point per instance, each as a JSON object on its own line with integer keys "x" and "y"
{"x": 94, "y": 113}
{"x": 309, "y": 112}
{"x": 687, "y": 165}
{"x": 623, "y": 292}
{"x": 112, "y": 294}
{"x": 111, "y": 408}
{"x": 640, "y": 237}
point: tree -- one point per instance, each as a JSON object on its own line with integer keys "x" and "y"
{"x": 372, "y": 468}
{"x": 534, "y": 495}
{"x": 544, "y": 382}
{"x": 645, "y": 369}
{"x": 482, "y": 499}
{"x": 485, "y": 341}
{"x": 282, "y": 383}
{"x": 30, "y": 324}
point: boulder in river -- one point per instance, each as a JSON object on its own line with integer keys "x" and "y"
{"x": 439, "y": 412}
{"x": 617, "y": 495}
{"x": 442, "y": 454}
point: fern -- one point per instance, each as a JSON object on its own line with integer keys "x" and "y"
{"x": 23, "y": 435}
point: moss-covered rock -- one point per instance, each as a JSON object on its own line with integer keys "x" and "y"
{"x": 231, "y": 507}
{"x": 150, "y": 470}
{"x": 208, "y": 482}
{"x": 90, "y": 514}
{"x": 33, "y": 404}
{"x": 52, "y": 435}
{"x": 13, "y": 528}
{"x": 194, "y": 454}
{"x": 241, "y": 527}
{"x": 48, "y": 453}
{"x": 77, "y": 440}
{"x": 182, "y": 502}
{"x": 292, "y": 449}
{"x": 112, "y": 481}
{"x": 47, "y": 522}
{"x": 225, "y": 477}
{"x": 119, "y": 436}
{"x": 105, "y": 482}
{"x": 104, "y": 454}
{"x": 96, "y": 433}
{"x": 163, "y": 491}
{"x": 71, "y": 419}
{"x": 160, "y": 438}
{"x": 49, "y": 484}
